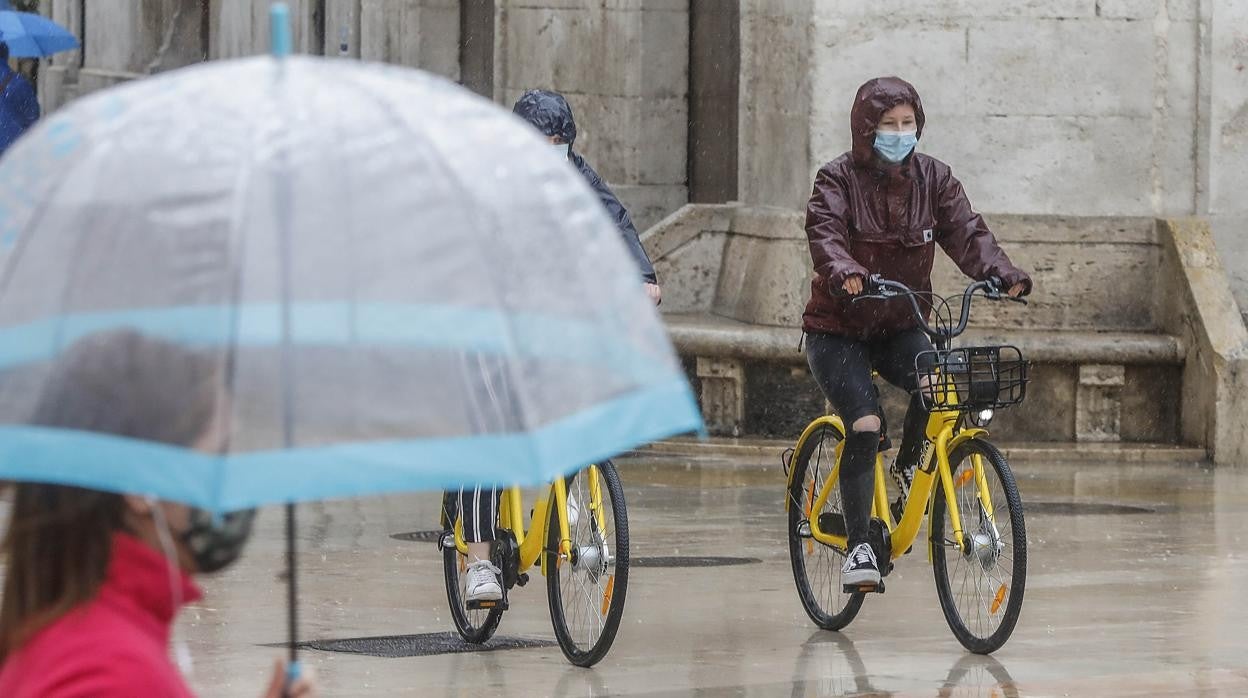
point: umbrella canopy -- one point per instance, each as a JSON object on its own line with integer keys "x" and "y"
{"x": 399, "y": 286}
{"x": 33, "y": 36}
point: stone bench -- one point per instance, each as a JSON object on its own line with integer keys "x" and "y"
{"x": 722, "y": 348}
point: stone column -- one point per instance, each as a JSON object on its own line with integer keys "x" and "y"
{"x": 416, "y": 33}
{"x": 126, "y": 39}
{"x": 775, "y": 110}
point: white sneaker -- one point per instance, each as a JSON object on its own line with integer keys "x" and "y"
{"x": 481, "y": 583}
{"x": 861, "y": 567}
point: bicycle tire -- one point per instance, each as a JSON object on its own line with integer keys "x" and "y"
{"x": 983, "y": 532}
{"x": 828, "y": 560}
{"x": 475, "y": 626}
{"x": 586, "y": 649}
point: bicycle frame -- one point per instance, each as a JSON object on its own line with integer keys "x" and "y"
{"x": 942, "y": 430}
{"x": 533, "y": 543}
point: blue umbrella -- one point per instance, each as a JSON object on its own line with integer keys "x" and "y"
{"x": 33, "y": 36}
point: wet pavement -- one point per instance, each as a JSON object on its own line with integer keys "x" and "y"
{"x": 1138, "y": 586}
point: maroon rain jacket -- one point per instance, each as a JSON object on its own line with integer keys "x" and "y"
{"x": 869, "y": 217}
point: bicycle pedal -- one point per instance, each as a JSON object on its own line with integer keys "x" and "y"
{"x": 500, "y": 604}
{"x": 864, "y": 588}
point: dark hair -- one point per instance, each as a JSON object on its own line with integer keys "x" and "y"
{"x": 59, "y": 539}
{"x": 4, "y": 51}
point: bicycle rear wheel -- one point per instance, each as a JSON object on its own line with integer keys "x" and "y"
{"x": 474, "y": 625}
{"x": 587, "y": 589}
{"x": 981, "y": 588}
{"x": 817, "y": 567}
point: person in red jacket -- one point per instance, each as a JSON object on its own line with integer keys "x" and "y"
{"x": 94, "y": 579}
{"x": 882, "y": 208}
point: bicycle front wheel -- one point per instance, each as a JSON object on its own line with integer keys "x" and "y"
{"x": 981, "y": 586}
{"x": 817, "y": 567}
{"x": 587, "y": 588}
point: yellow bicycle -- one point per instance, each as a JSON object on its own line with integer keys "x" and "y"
{"x": 578, "y": 537}
{"x": 962, "y": 485}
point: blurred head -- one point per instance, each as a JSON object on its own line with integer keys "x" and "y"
{"x": 59, "y": 539}
{"x": 550, "y": 114}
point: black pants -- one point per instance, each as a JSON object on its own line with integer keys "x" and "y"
{"x": 843, "y": 366}
{"x": 478, "y": 507}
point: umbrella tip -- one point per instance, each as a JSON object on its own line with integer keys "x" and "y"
{"x": 279, "y": 28}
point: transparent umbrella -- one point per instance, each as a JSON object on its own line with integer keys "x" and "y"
{"x": 402, "y": 289}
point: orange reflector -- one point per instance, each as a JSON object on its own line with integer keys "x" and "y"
{"x": 463, "y": 563}
{"x": 996, "y": 601}
{"x": 606, "y": 595}
{"x": 964, "y": 478}
{"x": 810, "y": 547}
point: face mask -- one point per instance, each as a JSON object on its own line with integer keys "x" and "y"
{"x": 895, "y": 146}
{"x": 563, "y": 149}
{"x": 216, "y": 541}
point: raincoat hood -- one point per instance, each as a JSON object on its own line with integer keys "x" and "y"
{"x": 549, "y": 112}
{"x": 873, "y": 99}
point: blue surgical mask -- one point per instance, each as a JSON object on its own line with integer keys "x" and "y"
{"x": 895, "y": 146}
{"x": 563, "y": 149}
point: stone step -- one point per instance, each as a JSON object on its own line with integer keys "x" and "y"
{"x": 1020, "y": 452}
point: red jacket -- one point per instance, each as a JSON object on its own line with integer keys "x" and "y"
{"x": 868, "y": 218}
{"x": 116, "y": 645}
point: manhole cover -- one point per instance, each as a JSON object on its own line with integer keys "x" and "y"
{"x": 418, "y": 536}
{"x": 1076, "y": 508}
{"x": 691, "y": 561}
{"x": 423, "y": 645}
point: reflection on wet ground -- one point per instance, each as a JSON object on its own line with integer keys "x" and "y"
{"x": 1144, "y": 597}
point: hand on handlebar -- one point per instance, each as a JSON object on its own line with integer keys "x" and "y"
{"x": 853, "y": 285}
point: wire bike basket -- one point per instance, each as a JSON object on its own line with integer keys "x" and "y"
{"x": 971, "y": 379}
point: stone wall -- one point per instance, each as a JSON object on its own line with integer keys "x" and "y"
{"x": 624, "y": 66}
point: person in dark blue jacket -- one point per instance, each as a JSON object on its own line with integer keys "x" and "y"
{"x": 19, "y": 108}
{"x": 550, "y": 113}
{"x": 478, "y": 506}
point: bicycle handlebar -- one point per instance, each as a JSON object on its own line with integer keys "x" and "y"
{"x": 884, "y": 289}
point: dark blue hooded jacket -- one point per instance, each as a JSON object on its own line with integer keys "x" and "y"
{"x": 19, "y": 108}
{"x": 550, "y": 113}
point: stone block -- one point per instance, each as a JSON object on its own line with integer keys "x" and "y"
{"x": 763, "y": 282}
{"x": 633, "y": 140}
{"x": 648, "y": 204}
{"x": 1071, "y": 290}
{"x": 631, "y": 53}
{"x": 1067, "y": 68}
{"x": 1177, "y": 120}
{"x": 951, "y": 9}
{"x": 1080, "y": 166}
{"x": 1048, "y": 413}
{"x": 689, "y": 274}
{"x": 722, "y": 395}
{"x": 413, "y": 33}
{"x": 1098, "y": 405}
{"x": 1152, "y": 399}
{"x": 1129, "y": 9}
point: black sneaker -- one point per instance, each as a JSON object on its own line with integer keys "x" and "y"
{"x": 861, "y": 568}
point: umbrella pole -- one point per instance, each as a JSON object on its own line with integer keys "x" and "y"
{"x": 292, "y": 588}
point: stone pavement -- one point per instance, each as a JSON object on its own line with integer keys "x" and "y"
{"x": 1136, "y": 588}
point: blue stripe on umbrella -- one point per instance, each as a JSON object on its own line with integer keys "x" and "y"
{"x": 526, "y": 335}
{"x": 225, "y": 483}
